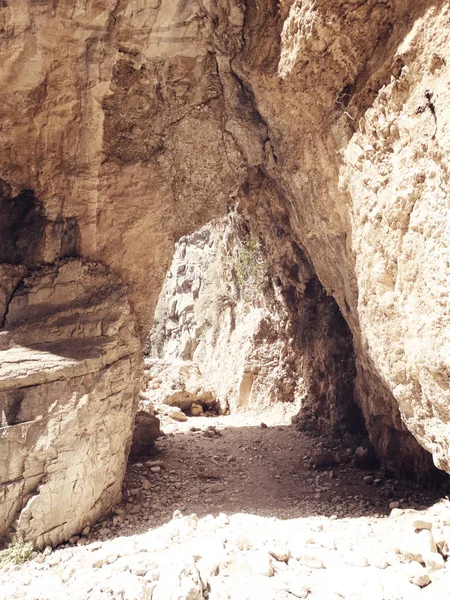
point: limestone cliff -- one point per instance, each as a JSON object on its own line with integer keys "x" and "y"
{"x": 126, "y": 124}
{"x": 222, "y": 331}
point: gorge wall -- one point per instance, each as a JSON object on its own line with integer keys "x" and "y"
{"x": 126, "y": 124}
{"x": 221, "y": 336}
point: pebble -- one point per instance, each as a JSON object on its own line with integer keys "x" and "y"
{"x": 420, "y": 524}
{"x": 261, "y": 562}
{"x": 312, "y": 561}
{"x": 53, "y": 560}
{"x": 210, "y": 473}
{"x": 417, "y": 575}
{"x": 215, "y": 488}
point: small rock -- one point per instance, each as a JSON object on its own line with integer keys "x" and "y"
{"x": 296, "y": 588}
{"x": 417, "y": 575}
{"x": 99, "y": 562}
{"x": 356, "y": 560}
{"x": 155, "y": 469}
{"x": 323, "y": 459}
{"x": 210, "y": 473}
{"x": 196, "y": 410}
{"x": 434, "y": 562}
{"x": 215, "y": 488}
{"x": 363, "y": 458}
{"x": 280, "y": 552}
{"x": 74, "y": 539}
{"x": 368, "y": 480}
{"x": 146, "y": 485}
{"x": 154, "y": 463}
{"x": 261, "y": 562}
{"x": 380, "y": 563}
{"x": 312, "y": 561}
{"x": 95, "y": 546}
{"x": 53, "y": 560}
{"x": 394, "y": 504}
{"x": 176, "y": 414}
{"x": 223, "y": 520}
{"x": 263, "y": 426}
{"x": 420, "y": 524}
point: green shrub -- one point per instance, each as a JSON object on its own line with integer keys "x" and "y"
{"x": 251, "y": 267}
{"x": 16, "y": 554}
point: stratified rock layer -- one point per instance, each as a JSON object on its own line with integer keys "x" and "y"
{"x": 69, "y": 375}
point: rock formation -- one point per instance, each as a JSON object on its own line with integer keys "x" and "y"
{"x": 69, "y": 357}
{"x": 222, "y": 330}
{"x": 128, "y": 124}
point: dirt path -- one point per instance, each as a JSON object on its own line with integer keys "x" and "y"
{"x": 257, "y": 470}
{"x": 233, "y": 510}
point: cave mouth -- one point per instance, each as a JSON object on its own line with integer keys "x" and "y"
{"x": 246, "y": 333}
{"x": 234, "y": 335}
{"x": 249, "y": 404}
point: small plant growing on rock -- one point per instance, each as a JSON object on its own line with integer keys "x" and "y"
{"x": 17, "y": 553}
{"x": 251, "y": 267}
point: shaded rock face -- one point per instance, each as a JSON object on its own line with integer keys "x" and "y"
{"x": 146, "y": 432}
{"x": 126, "y": 125}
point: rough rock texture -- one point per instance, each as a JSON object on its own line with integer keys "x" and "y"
{"x": 220, "y": 335}
{"x": 127, "y": 124}
{"x": 68, "y": 385}
{"x": 146, "y": 432}
{"x": 359, "y": 144}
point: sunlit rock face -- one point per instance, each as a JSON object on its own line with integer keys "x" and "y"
{"x": 69, "y": 379}
{"x": 221, "y": 337}
{"x": 356, "y": 100}
{"x": 128, "y": 125}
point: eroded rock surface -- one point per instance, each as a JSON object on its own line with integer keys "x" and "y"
{"x": 221, "y": 334}
{"x": 69, "y": 377}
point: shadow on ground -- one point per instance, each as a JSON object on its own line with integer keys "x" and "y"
{"x": 263, "y": 471}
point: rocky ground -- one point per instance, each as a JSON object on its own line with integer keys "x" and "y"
{"x": 229, "y": 508}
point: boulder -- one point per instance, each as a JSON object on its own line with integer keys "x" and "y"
{"x": 146, "y": 431}
{"x": 70, "y": 367}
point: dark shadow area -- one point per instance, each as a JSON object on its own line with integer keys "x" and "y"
{"x": 22, "y": 228}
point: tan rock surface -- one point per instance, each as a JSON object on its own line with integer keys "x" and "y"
{"x": 364, "y": 148}
{"x": 221, "y": 331}
{"x": 69, "y": 377}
